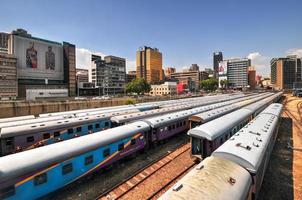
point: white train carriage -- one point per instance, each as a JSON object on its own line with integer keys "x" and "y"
{"x": 214, "y": 178}
{"x": 251, "y": 147}
{"x": 12, "y": 119}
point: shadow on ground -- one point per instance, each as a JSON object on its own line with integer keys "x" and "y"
{"x": 278, "y": 179}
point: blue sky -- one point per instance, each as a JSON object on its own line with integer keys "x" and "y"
{"x": 186, "y": 31}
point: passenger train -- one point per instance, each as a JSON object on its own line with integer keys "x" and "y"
{"x": 209, "y": 136}
{"x": 51, "y": 167}
{"x": 27, "y": 135}
{"x": 236, "y": 169}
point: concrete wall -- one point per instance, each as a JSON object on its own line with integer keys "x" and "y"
{"x": 20, "y": 108}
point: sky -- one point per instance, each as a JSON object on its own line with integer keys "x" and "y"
{"x": 186, "y": 31}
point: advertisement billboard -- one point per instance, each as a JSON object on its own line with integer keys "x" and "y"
{"x": 223, "y": 68}
{"x": 38, "y": 59}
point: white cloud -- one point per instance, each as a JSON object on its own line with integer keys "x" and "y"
{"x": 261, "y": 63}
{"x": 294, "y": 51}
{"x": 83, "y": 57}
{"x": 130, "y": 65}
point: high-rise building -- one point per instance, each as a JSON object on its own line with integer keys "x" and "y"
{"x": 8, "y": 76}
{"x": 192, "y": 77}
{"x": 109, "y": 74}
{"x": 252, "y": 77}
{"x": 217, "y": 57}
{"x": 69, "y": 57}
{"x": 41, "y": 63}
{"x": 149, "y": 64}
{"x": 285, "y": 72}
{"x": 3, "y": 42}
{"x": 237, "y": 72}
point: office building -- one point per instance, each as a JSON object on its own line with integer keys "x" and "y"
{"x": 109, "y": 75}
{"x": 3, "y": 42}
{"x": 252, "y": 78}
{"x": 131, "y": 75}
{"x": 217, "y": 57}
{"x": 237, "y": 72}
{"x": 285, "y": 72}
{"x": 149, "y": 65}
{"x": 192, "y": 78}
{"x": 41, "y": 63}
{"x": 82, "y": 75}
{"x": 166, "y": 89}
{"x": 8, "y": 76}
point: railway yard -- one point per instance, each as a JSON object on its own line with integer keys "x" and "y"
{"x": 168, "y": 150}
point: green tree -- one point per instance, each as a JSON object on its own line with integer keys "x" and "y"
{"x": 224, "y": 83}
{"x": 138, "y": 86}
{"x": 210, "y": 84}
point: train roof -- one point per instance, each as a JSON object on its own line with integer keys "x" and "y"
{"x": 230, "y": 106}
{"x": 216, "y": 127}
{"x": 139, "y": 115}
{"x": 11, "y": 119}
{"x": 249, "y": 145}
{"x": 273, "y": 109}
{"x": 14, "y": 131}
{"x": 214, "y": 178}
{"x": 22, "y": 163}
{"x": 258, "y": 106}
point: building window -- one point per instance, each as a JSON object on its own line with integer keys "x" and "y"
{"x": 79, "y": 129}
{"x": 90, "y": 127}
{"x": 40, "y": 179}
{"x": 70, "y": 131}
{"x": 56, "y": 134}
{"x": 7, "y": 192}
{"x": 30, "y": 139}
{"x": 67, "y": 168}
{"x": 89, "y": 160}
{"x": 121, "y": 146}
{"x": 133, "y": 142}
{"x": 106, "y": 153}
{"x": 46, "y": 136}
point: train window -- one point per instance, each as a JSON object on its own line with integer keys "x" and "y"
{"x": 173, "y": 126}
{"x": 169, "y": 128}
{"x": 106, "y": 124}
{"x": 133, "y": 141}
{"x": 56, "y": 134}
{"x": 70, "y": 131}
{"x": 89, "y": 160}
{"x": 221, "y": 140}
{"x": 40, "y": 179}
{"x": 30, "y": 139}
{"x": 106, "y": 153}
{"x": 121, "y": 146}
{"x": 46, "y": 136}
{"x": 67, "y": 168}
{"x": 97, "y": 125}
{"x": 184, "y": 123}
{"x": 7, "y": 192}
{"x": 9, "y": 141}
{"x": 90, "y": 127}
{"x": 79, "y": 129}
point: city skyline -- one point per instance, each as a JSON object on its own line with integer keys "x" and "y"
{"x": 185, "y": 33}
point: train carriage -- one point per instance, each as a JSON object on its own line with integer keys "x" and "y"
{"x": 32, "y": 174}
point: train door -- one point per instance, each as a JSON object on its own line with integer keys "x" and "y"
{"x": 7, "y": 146}
{"x": 198, "y": 147}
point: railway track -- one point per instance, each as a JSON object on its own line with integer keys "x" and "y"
{"x": 151, "y": 180}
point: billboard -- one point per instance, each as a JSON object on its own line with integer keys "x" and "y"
{"x": 222, "y": 68}
{"x": 38, "y": 59}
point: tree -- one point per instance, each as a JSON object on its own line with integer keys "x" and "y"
{"x": 210, "y": 84}
{"x": 138, "y": 86}
{"x": 224, "y": 83}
